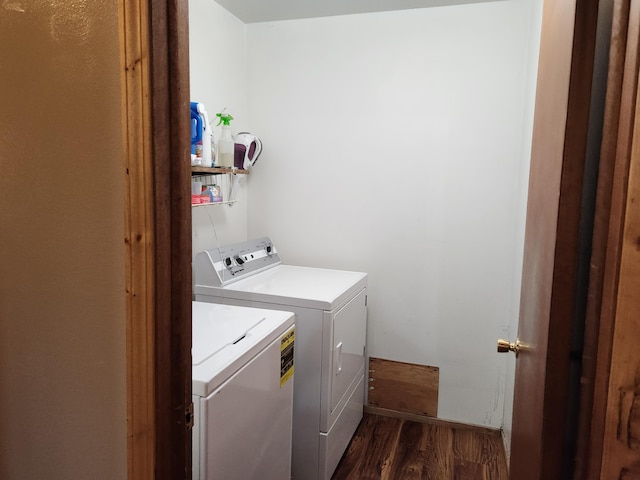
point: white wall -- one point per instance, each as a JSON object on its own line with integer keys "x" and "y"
{"x": 395, "y": 144}
{"x": 218, "y": 72}
{"x": 62, "y": 270}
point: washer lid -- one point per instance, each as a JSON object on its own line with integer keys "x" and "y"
{"x": 217, "y": 326}
{"x": 227, "y": 337}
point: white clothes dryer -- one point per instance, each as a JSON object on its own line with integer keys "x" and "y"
{"x": 331, "y": 316}
{"x": 242, "y": 382}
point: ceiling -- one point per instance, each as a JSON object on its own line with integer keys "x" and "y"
{"x": 254, "y": 11}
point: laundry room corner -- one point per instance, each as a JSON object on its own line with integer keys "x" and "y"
{"x": 395, "y": 147}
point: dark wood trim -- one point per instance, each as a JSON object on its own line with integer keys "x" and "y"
{"x": 170, "y": 106}
{"x": 610, "y": 212}
{"x": 217, "y": 170}
{"x": 622, "y": 79}
{"x": 621, "y": 452}
{"x": 385, "y": 412}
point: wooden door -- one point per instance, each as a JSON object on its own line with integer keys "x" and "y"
{"x": 538, "y": 449}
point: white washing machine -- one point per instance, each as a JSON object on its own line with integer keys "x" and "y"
{"x": 242, "y": 381}
{"x": 331, "y": 316}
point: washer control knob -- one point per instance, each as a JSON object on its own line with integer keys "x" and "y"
{"x": 269, "y": 249}
{"x": 239, "y": 260}
{"x": 228, "y": 262}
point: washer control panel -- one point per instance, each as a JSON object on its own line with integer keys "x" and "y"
{"x": 236, "y": 261}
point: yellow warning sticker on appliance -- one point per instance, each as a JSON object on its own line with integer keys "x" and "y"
{"x": 286, "y": 356}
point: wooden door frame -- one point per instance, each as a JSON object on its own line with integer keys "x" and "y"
{"x": 169, "y": 32}
{"x": 619, "y": 120}
{"x": 611, "y": 325}
{"x": 139, "y": 240}
{"x": 155, "y": 92}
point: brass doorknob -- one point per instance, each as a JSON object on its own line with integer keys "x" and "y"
{"x": 507, "y": 346}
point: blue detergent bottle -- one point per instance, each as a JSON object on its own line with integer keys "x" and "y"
{"x": 196, "y": 127}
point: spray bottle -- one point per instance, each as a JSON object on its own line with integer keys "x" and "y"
{"x": 226, "y": 147}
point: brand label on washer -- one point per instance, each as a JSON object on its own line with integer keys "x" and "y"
{"x": 286, "y": 356}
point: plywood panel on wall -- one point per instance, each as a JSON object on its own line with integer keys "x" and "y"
{"x": 403, "y": 387}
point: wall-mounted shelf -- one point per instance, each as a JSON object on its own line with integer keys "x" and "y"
{"x": 217, "y": 170}
{"x": 230, "y": 203}
{"x": 225, "y": 183}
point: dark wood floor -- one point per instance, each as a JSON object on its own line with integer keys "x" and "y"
{"x": 395, "y": 449}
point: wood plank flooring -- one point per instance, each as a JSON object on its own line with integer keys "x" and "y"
{"x": 387, "y": 448}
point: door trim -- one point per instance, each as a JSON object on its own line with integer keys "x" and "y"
{"x": 612, "y": 318}
{"x": 139, "y": 239}
{"x": 155, "y": 59}
{"x": 169, "y": 37}
{"x": 622, "y": 85}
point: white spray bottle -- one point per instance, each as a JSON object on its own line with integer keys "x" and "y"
{"x": 226, "y": 147}
{"x": 207, "y": 160}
